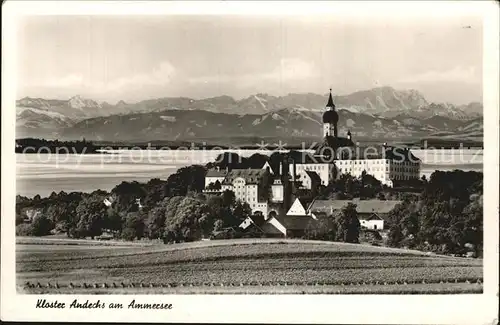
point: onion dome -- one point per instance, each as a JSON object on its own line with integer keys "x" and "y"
{"x": 330, "y": 117}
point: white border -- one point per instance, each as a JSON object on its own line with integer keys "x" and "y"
{"x": 454, "y": 309}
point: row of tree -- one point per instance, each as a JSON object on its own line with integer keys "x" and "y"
{"x": 35, "y": 145}
{"x": 174, "y": 210}
{"x": 443, "y": 214}
{"x": 446, "y": 218}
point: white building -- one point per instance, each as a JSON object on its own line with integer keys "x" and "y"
{"x": 325, "y": 171}
{"x": 215, "y": 175}
{"x": 373, "y": 222}
{"x": 246, "y": 185}
{"x": 386, "y": 163}
{"x": 308, "y": 179}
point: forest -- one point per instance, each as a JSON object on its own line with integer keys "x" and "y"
{"x": 42, "y": 146}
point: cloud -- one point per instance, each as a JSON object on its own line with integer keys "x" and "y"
{"x": 457, "y": 74}
{"x": 158, "y": 78}
{"x": 292, "y": 70}
{"x": 288, "y": 70}
{"x": 72, "y": 80}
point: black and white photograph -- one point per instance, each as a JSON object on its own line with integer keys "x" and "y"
{"x": 220, "y": 154}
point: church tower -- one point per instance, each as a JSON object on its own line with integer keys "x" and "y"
{"x": 330, "y": 118}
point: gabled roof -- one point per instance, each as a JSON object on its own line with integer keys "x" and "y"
{"x": 294, "y": 222}
{"x": 257, "y": 220}
{"x": 268, "y": 228}
{"x": 362, "y": 206}
{"x": 372, "y": 216}
{"x": 216, "y": 173}
{"x": 306, "y": 202}
{"x": 267, "y": 165}
{"x": 251, "y": 176}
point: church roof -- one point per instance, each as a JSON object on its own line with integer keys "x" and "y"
{"x": 330, "y": 100}
{"x": 251, "y": 176}
{"x": 330, "y": 116}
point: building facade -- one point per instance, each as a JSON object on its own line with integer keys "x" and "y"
{"x": 338, "y": 155}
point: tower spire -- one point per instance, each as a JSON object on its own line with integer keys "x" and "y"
{"x": 330, "y": 103}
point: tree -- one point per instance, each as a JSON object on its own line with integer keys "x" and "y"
{"x": 395, "y": 236}
{"x": 19, "y": 219}
{"x": 214, "y": 186}
{"x": 133, "y": 226}
{"x": 90, "y": 214}
{"x": 229, "y": 198}
{"x": 41, "y": 226}
{"x": 324, "y": 228}
{"x": 155, "y": 222}
{"x": 156, "y": 190}
{"x": 191, "y": 178}
{"x": 473, "y": 224}
{"x": 126, "y": 195}
{"x": 112, "y": 221}
{"x": 24, "y": 229}
{"x": 241, "y": 211}
{"x": 348, "y": 224}
{"x": 184, "y": 223}
{"x": 229, "y": 160}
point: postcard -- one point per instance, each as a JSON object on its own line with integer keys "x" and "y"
{"x": 250, "y": 162}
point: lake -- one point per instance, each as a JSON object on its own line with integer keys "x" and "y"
{"x": 44, "y": 173}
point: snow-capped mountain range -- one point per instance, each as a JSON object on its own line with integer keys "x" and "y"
{"x": 49, "y": 118}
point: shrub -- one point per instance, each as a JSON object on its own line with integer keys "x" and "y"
{"x": 41, "y": 226}
{"x": 24, "y": 229}
{"x": 128, "y": 234}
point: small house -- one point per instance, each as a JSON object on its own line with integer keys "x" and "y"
{"x": 371, "y": 213}
{"x": 215, "y": 175}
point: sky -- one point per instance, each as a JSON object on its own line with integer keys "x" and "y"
{"x": 132, "y": 58}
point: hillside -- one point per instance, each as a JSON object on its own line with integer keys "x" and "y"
{"x": 283, "y": 124}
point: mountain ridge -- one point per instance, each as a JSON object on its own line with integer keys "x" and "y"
{"x": 286, "y": 123}
{"x": 381, "y": 111}
{"x": 381, "y": 100}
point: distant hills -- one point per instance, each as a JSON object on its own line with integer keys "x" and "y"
{"x": 380, "y": 112}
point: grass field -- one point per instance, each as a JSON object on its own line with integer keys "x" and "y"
{"x": 237, "y": 266}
